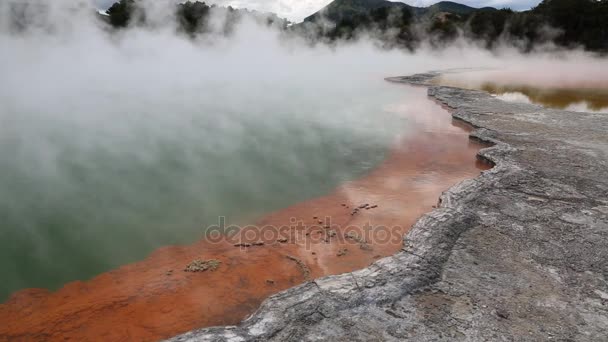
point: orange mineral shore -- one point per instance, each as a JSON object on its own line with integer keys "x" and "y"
{"x": 349, "y": 229}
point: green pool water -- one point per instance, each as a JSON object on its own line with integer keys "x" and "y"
{"x": 86, "y": 189}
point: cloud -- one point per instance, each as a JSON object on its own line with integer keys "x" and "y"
{"x": 103, "y": 4}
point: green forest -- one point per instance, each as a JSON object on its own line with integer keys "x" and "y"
{"x": 564, "y": 23}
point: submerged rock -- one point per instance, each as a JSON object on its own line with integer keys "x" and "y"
{"x": 202, "y": 265}
{"x": 303, "y": 267}
{"x": 366, "y": 247}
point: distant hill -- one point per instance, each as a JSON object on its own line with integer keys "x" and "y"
{"x": 453, "y": 8}
{"x": 568, "y": 23}
{"x": 347, "y": 9}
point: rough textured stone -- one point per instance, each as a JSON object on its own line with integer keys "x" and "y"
{"x": 517, "y": 254}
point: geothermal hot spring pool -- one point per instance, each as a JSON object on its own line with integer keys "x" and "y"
{"x": 103, "y": 206}
{"x": 83, "y": 193}
{"x": 106, "y": 209}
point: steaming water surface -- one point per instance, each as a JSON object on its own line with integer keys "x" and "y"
{"x": 85, "y": 193}
{"x": 113, "y": 144}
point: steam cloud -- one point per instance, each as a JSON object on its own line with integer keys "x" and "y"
{"x": 119, "y": 140}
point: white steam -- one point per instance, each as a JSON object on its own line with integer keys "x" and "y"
{"x": 119, "y": 140}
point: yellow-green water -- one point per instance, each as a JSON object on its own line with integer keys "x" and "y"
{"x": 559, "y": 97}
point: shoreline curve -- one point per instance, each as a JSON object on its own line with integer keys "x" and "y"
{"x": 518, "y": 253}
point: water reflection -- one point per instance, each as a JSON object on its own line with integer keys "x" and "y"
{"x": 579, "y": 99}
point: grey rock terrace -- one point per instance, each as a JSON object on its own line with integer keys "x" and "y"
{"x": 519, "y": 253}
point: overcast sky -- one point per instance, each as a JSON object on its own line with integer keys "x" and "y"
{"x": 296, "y": 10}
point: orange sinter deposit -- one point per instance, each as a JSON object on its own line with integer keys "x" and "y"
{"x": 359, "y": 222}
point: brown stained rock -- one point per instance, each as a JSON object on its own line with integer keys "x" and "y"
{"x": 199, "y": 265}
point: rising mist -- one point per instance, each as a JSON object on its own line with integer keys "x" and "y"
{"x": 116, "y": 143}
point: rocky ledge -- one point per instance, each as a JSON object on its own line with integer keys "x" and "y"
{"x": 518, "y": 254}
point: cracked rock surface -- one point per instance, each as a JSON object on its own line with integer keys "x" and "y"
{"x": 518, "y": 254}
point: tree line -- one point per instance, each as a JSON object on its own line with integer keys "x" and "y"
{"x": 192, "y": 17}
{"x": 567, "y": 23}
